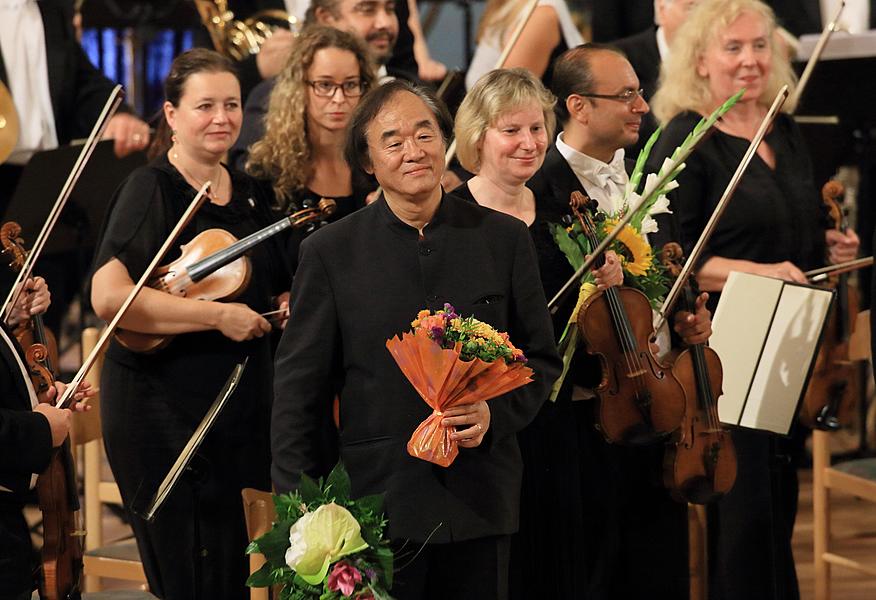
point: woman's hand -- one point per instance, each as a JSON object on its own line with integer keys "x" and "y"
{"x": 784, "y": 270}
{"x": 283, "y": 305}
{"x": 475, "y": 416}
{"x": 611, "y": 274}
{"x": 695, "y": 328}
{"x": 35, "y": 300}
{"x": 240, "y": 323}
{"x": 841, "y": 247}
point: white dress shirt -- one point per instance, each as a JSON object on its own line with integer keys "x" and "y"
{"x": 22, "y": 41}
{"x": 604, "y": 182}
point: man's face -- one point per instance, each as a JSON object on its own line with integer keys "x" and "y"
{"x": 671, "y": 14}
{"x": 614, "y": 123}
{"x": 406, "y": 149}
{"x": 374, "y": 21}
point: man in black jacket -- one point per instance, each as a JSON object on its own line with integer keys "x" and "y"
{"x": 360, "y": 282}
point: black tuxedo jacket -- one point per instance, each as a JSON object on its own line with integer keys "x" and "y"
{"x": 78, "y": 90}
{"x": 804, "y": 16}
{"x": 614, "y": 19}
{"x": 360, "y": 282}
{"x": 25, "y": 436}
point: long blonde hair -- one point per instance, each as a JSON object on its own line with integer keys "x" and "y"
{"x": 682, "y": 88}
{"x": 499, "y": 15}
{"x": 284, "y": 154}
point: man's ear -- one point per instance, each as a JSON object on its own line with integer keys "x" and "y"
{"x": 579, "y": 108}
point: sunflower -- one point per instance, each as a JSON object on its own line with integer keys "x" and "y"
{"x": 634, "y": 251}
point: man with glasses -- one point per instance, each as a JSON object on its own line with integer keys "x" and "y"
{"x": 637, "y": 539}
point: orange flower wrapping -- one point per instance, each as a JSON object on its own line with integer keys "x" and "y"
{"x": 443, "y": 380}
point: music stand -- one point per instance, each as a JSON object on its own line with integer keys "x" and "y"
{"x": 191, "y": 448}
{"x": 42, "y": 180}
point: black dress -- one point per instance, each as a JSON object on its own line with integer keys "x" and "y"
{"x": 774, "y": 215}
{"x": 151, "y": 403}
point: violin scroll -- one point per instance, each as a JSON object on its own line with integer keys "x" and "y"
{"x": 13, "y": 245}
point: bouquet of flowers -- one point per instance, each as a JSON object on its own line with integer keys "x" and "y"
{"x": 324, "y": 545}
{"x": 452, "y": 360}
{"x": 641, "y": 271}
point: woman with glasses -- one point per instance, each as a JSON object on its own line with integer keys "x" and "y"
{"x": 774, "y": 227}
{"x": 301, "y": 153}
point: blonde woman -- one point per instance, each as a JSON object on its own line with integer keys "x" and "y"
{"x": 503, "y": 128}
{"x": 774, "y": 227}
{"x": 549, "y": 32}
{"x": 301, "y": 153}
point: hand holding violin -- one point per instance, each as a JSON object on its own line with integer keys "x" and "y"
{"x": 696, "y": 327}
{"x": 611, "y": 274}
{"x": 61, "y": 419}
{"x": 34, "y": 301}
{"x": 841, "y": 247}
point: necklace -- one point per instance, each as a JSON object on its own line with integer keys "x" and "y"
{"x": 214, "y": 183}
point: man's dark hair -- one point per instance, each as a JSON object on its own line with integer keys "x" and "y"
{"x": 573, "y": 74}
{"x": 356, "y": 147}
{"x": 330, "y": 6}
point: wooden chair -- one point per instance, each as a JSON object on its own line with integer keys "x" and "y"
{"x": 856, "y": 477}
{"x": 259, "y": 512}
{"x": 119, "y": 560}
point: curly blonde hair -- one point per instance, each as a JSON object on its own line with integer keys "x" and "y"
{"x": 283, "y": 155}
{"x": 496, "y": 93}
{"x": 682, "y": 88}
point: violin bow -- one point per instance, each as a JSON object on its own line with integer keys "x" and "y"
{"x": 506, "y": 51}
{"x": 109, "y": 109}
{"x": 686, "y": 270}
{"x": 66, "y": 398}
{"x": 816, "y": 54}
{"x": 818, "y": 275}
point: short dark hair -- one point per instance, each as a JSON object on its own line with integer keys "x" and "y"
{"x": 573, "y": 74}
{"x": 330, "y": 6}
{"x": 356, "y": 147}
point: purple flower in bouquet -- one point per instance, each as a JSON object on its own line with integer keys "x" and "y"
{"x": 344, "y": 577}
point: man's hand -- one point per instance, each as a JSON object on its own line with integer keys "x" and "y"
{"x": 695, "y": 328}
{"x": 841, "y": 247}
{"x": 129, "y": 132}
{"x": 35, "y": 300}
{"x": 611, "y": 274}
{"x": 274, "y": 53}
{"x": 475, "y": 416}
{"x": 59, "y": 419}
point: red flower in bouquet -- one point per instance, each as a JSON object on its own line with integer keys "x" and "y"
{"x": 452, "y": 361}
{"x": 344, "y": 577}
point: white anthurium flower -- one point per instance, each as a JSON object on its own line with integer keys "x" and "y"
{"x": 321, "y": 537}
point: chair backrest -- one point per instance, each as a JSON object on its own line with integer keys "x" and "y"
{"x": 86, "y": 425}
{"x": 259, "y": 513}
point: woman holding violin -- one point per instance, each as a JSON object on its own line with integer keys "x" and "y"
{"x": 773, "y": 226}
{"x": 301, "y": 154}
{"x": 153, "y": 402}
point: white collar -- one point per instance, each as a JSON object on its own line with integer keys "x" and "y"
{"x": 604, "y": 182}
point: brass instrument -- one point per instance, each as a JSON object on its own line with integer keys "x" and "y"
{"x": 241, "y": 39}
{"x": 8, "y": 123}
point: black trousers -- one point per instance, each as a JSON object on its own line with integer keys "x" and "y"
{"x": 470, "y": 570}
{"x": 16, "y": 553}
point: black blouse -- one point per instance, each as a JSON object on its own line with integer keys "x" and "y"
{"x": 775, "y": 214}
{"x": 193, "y": 367}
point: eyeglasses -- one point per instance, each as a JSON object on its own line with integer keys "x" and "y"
{"x": 325, "y": 88}
{"x": 626, "y": 96}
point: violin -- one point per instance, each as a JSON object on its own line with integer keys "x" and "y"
{"x": 640, "y": 401}
{"x": 700, "y": 466}
{"x": 33, "y": 330}
{"x": 212, "y": 267}
{"x": 833, "y": 388}
{"x": 61, "y": 555}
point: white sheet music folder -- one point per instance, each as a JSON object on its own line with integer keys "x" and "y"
{"x": 767, "y": 332}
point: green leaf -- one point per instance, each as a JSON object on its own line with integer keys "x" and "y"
{"x": 566, "y": 352}
{"x": 274, "y": 543}
{"x": 262, "y": 577}
{"x": 567, "y": 245}
{"x": 310, "y": 490}
{"x": 642, "y": 159}
{"x": 338, "y": 484}
{"x": 384, "y": 559}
